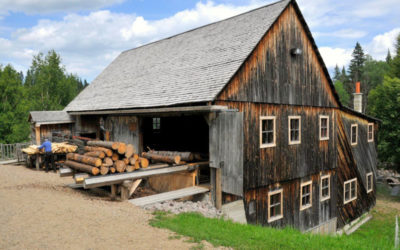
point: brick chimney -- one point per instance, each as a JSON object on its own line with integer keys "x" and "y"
{"x": 358, "y": 98}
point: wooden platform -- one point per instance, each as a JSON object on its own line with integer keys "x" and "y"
{"x": 110, "y": 179}
{"x": 172, "y": 195}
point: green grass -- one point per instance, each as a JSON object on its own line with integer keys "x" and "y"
{"x": 378, "y": 233}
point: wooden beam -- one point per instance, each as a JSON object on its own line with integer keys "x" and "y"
{"x": 218, "y": 188}
{"x": 64, "y": 172}
{"x": 37, "y": 135}
{"x": 140, "y": 174}
{"x": 114, "y": 189}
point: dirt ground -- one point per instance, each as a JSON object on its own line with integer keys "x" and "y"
{"x": 37, "y": 211}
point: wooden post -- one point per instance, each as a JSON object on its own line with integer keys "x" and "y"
{"x": 114, "y": 191}
{"x": 218, "y": 188}
{"x": 37, "y": 135}
{"x": 107, "y": 137}
{"x": 125, "y": 190}
{"x": 37, "y": 162}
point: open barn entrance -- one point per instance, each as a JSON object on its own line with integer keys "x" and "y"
{"x": 183, "y": 133}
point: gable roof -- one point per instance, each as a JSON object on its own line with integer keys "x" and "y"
{"x": 190, "y": 67}
{"x": 49, "y": 117}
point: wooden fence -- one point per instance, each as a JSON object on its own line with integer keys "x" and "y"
{"x": 12, "y": 151}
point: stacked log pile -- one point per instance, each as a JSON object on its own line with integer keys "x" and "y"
{"x": 106, "y": 157}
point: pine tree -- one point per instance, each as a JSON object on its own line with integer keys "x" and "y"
{"x": 395, "y": 63}
{"x": 356, "y": 66}
{"x": 337, "y": 74}
{"x": 388, "y": 57}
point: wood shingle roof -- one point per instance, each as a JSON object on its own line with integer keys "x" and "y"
{"x": 190, "y": 67}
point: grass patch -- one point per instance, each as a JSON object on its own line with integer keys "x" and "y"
{"x": 378, "y": 233}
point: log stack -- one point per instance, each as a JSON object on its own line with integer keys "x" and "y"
{"x": 107, "y": 157}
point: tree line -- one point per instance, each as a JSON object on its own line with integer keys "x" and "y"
{"x": 380, "y": 85}
{"x": 46, "y": 86}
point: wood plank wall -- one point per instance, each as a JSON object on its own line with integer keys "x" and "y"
{"x": 272, "y": 75}
{"x": 319, "y": 213}
{"x": 354, "y": 161}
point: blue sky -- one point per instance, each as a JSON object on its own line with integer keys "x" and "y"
{"x": 90, "y": 34}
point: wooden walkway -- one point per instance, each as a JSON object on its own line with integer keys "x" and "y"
{"x": 172, "y": 195}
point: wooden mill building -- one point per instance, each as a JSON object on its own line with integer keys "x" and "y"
{"x": 253, "y": 93}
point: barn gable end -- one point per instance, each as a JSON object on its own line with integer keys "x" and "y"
{"x": 271, "y": 74}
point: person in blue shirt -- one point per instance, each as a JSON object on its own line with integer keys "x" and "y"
{"x": 48, "y": 157}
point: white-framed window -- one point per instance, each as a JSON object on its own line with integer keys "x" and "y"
{"x": 370, "y": 132}
{"x": 370, "y": 182}
{"x": 156, "y": 123}
{"x": 354, "y": 134}
{"x": 323, "y": 127}
{"x": 305, "y": 195}
{"x": 275, "y": 205}
{"x": 294, "y": 130}
{"x": 267, "y": 131}
{"x": 325, "y": 187}
{"x": 349, "y": 190}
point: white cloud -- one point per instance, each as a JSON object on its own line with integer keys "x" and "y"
{"x": 88, "y": 43}
{"x": 380, "y": 44}
{"x": 335, "y": 56}
{"x": 343, "y": 33}
{"x": 48, "y": 6}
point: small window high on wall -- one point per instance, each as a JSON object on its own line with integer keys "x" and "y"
{"x": 354, "y": 134}
{"x": 267, "y": 131}
{"x": 294, "y": 130}
{"x": 156, "y": 123}
{"x": 323, "y": 127}
{"x": 370, "y": 132}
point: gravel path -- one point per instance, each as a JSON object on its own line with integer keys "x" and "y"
{"x": 38, "y": 211}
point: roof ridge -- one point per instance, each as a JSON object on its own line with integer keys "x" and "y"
{"x": 206, "y": 25}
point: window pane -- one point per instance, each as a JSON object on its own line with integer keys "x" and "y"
{"x": 270, "y": 137}
{"x": 264, "y": 137}
{"x": 353, "y": 189}
{"x": 347, "y": 191}
{"x": 264, "y": 125}
{"x": 270, "y": 125}
{"x": 353, "y": 134}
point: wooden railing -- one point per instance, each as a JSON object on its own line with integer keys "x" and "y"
{"x": 12, "y": 151}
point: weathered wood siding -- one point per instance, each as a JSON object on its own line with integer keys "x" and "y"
{"x": 123, "y": 128}
{"x": 266, "y": 166}
{"x": 226, "y": 150}
{"x": 319, "y": 213}
{"x": 47, "y": 130}
{"x": 272, "y": 75}
{"x": 87, "y": 124}
{"x": 354, "y": 161}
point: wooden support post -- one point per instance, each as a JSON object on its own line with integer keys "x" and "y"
{"x": 37, "y": 162}
{"x": 125, "y": 190}
{"x": 114, "y": 191}
{"x": 218, "y": 188}
{"x": 37, "y": 135}
{"x": 107, "y": 136}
